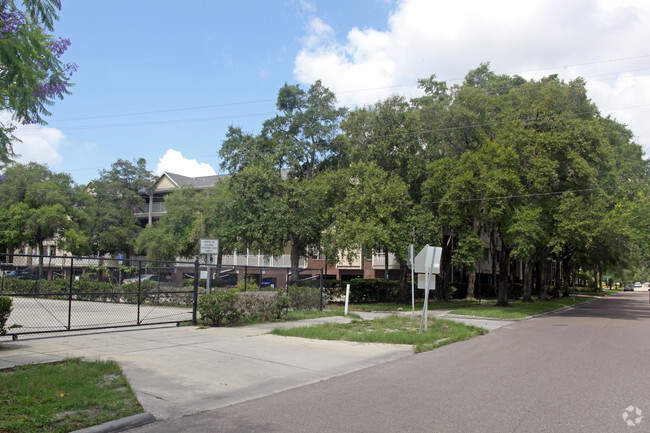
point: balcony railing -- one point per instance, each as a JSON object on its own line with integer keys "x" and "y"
{"x": 157, "y": 208}
{"x": 378, "y": 261}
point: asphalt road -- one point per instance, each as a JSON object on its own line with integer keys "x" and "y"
{"x": 573, "y": 371}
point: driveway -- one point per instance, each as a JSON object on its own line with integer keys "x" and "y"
{"x": 579, "y": 370}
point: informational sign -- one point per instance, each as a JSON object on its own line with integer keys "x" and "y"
{"x": 209, "y": 246}
{"x": 427, "y": 262}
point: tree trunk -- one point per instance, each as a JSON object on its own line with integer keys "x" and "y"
{"x": 595, "y": 278}
{"x": 443, "y": 279}
{"x": 471, "y": 292}
{"x": 541, "y": 279}
{"x": 504, "y": 268}
{"x": 295, "y": 261}
{"x": 600, "y": 278}
{"x": 403, "y": 296}
{"x": 528, "y": 281}
{"x": 494, "y": 257}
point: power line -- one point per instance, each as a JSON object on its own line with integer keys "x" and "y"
{"x": 240, "y": 103}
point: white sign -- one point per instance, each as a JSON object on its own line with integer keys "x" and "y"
{"x": 209, "y": 246}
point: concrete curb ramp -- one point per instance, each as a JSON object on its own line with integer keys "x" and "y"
{"x": 120, "y": 425}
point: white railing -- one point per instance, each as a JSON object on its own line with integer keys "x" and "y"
{"x": 378, "y": 261}
{"x": 283, "y": 261}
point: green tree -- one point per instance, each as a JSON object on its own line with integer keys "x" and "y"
{"x": 116, "y": 198}
{"x": 277, "y": 195}
{"x": 32, "y": 73}
{"x": 179, "y": 230}
{"x": 36, "y": 205}
{"x": 373, "y": 215}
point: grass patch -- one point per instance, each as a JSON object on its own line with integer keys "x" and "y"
{"x": 315, "y": 314}
{"x": 518, "y": 309}
{"x": 393, "y": 306}
{"x": 63, "y": 397}
{"x": 396, "y": 329}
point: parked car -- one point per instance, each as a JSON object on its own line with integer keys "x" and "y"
{"x": 23, "y": 274}
{"x": 629, "y": 287}
{"x": 638, "y": 284}
{"x": 161, "y": 280}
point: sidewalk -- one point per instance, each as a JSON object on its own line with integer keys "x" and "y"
{"x": 177, "y": 371}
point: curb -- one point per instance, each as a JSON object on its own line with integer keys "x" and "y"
{"x": 120, "y": 425}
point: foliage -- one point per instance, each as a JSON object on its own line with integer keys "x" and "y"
{"x": 260, "y": 306}
{"x": 305, "y": 298}
{"x": 37, "y": 204}
{"x": 247, "y": 285}
{"x": 373, "y": 290}
{"x": 180, "y": 229}
{"x": 114, "y": 201}
{"x": 277, "y": 195}
{"x": 5, "y": 311}
{"x": 219, "y": 308}
{"x": 32, "y": 73}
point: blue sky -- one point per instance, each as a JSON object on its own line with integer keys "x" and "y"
{"x": 163, "y": 79}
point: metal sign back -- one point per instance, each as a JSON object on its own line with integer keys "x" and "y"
{"x": 428, "y": 260}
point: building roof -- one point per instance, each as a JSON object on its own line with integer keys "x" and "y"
{"x": 197, "y": 182}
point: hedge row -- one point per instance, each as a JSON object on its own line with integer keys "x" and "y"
{"x": 230, "y": 307}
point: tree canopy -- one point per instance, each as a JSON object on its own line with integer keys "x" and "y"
{"x": 32, "y": 74}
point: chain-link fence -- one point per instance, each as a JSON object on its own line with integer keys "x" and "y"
{"x": 63, "y": 293}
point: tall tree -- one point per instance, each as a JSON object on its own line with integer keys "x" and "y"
{"x": 276, "y": 171}
{"x": 32, "y": 73}
{"x": 114, "y": 227}
{"x": 36, "y": 205}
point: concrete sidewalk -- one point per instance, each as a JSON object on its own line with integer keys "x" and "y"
{"x": 176, "y": 371}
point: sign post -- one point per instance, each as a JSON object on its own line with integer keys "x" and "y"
{"x": 411, "y": 260}
{"x": 427, "y": 262}
{"x": 209, "y": 247}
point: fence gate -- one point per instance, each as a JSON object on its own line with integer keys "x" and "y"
{"x": 59, "y": 294}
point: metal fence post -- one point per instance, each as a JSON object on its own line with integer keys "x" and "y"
{"x": 321, "y": 289}
{"x": 195, "y": 298}
{"x": 139, "y": 286}
{"x": 70, "y": 294}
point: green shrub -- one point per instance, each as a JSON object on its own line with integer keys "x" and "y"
{"x": 304, "y": 298}
{"x": 88, "y": 290}
{"x": 5, "y": 310}
{"x": 219, "y": 308}
{"x": 260, "y": 306}
{"x": 247, "y": 285}
{"x": 129, "y": 292}
{"x": 373, "y": 290}
{"x": 18, "y": 286}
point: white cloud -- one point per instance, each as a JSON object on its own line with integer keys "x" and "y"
{"x": 38, "y": 144}
{"x": 174, "y": 162}
{"x": 604, "y": 41}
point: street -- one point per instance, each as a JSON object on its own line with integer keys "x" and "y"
{"x": 580, "y": 370}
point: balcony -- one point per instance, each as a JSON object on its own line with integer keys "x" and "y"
{"x": 157, "y": 209}
{"x": 378, "y": 261}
